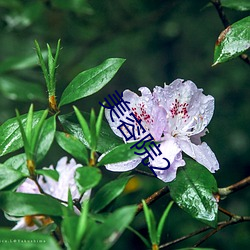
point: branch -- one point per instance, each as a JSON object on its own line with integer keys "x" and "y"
{"x": 226, "y": 23}
{"x": 152, "y": 198}
{"x": 235, "y": 220}
{"x": 223, "y": 192}
{"x": 144, "y": 173}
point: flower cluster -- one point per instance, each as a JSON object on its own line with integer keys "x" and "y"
{"x": 58, "y": 189}
{"x": 177, "y": 115}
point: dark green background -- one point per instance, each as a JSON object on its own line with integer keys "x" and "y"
{"x": 162, "y": 41}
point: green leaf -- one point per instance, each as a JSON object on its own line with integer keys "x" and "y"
{"x": 53, "y": 174}
{"x": 87, "y": 177}
{"x": 241, "y": 5}
{"x": 8, "y": 176}
{"x": 16, "y": 240}
{"x": 46, "y": 137}
{"x": 107, "y": 139}
{"x": 69, "y": 230}
{"x": 151, "y": 223}
{"x": 121, "y": 153}
{"x": 233, "y": 41}
{"x": 108, "y": 193}
{"x": 73, "y": 146}
{"x": 84, "y": 125}
{"x": 105, "y": 235}
{"x": 20, "y": 204}
{"x": 193, "y": 191}
{"x": 99, "y": 122}
{"x": 162, "y": 221}
{"x": 92, "y": 127}
{"x": 19, "y": 90}
{"x": 90, "y": 81}
{"x": 18, "y": 162}
{"x": 10, "y": 136}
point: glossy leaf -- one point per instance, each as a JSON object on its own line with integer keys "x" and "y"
{"x": 8, "y": 176}
{"x": 53, "y": 174}
{"x": 105, "y": 235}
{"x": 107, "y": 138}
{"x": 10, "y": 136}
{"x": 18, "y": 162}
{"x": 87, "y": 177}
{"x": 108, "y": 193}
{"x": 19, "y": 90}
{"x": 46, "y": 138}
{"x": 20, "y": 204}
{"x": 162, "y": 221}
{"x": 90, "y": 81}
{"x": 233, "y": 41}
{"x": 16, "y": 240}
{"x": 121, "y": 153}
{"x": 73, "y": 146}
{"x": 193, "y": 191}
{"x": 241, "y": 5}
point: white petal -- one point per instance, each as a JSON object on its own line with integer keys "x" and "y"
{"x": 189, "y": 110}
{"x": 171, "y": 151}
{"x": 21, "y": 225}
{"x": 123, "y": 166}
{"x": 28, "y": 186}
{"x": 201, "y": 153}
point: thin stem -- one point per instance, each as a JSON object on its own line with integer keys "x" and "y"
{"x": 224, "y": 211}
{"x": 235, "y": 220}
{"x": 152, "y": 198}
{"x": 223, "y": 192}
{"x": 144, "y": 173}
{"x": 226, "y": 23}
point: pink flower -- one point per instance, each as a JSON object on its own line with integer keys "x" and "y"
{"x": 177, "y": 115}
{"x": 58, "y": 189}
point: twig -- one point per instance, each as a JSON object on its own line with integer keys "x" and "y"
{"x": 224, "y": 211}
{"x": 235, "y": 220}
{"x": 226, "y": 23}
{"x": 144, "y": 173}
{"x": 152, "y": 198}
{"x": 223, "y": 192}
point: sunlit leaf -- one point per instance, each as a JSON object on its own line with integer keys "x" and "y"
{"x": 10, "y": 136}
{"x": 90, "y": 81}
{"x": 193, "y": 191}
{"x": 233, "y": 41}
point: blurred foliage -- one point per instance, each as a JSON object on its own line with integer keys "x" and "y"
{"x": 161, "y": 41}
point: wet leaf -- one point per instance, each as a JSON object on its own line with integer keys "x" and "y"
{"x": 9, "y": 176}
{"x": 20, "y": 204}
{"x": 193, "y": 191}
{"x": 107, "y": 139}
{"x": 233, "y": 41}
{"x": 90, "y": 81}
{"x": 10, "y": 135}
